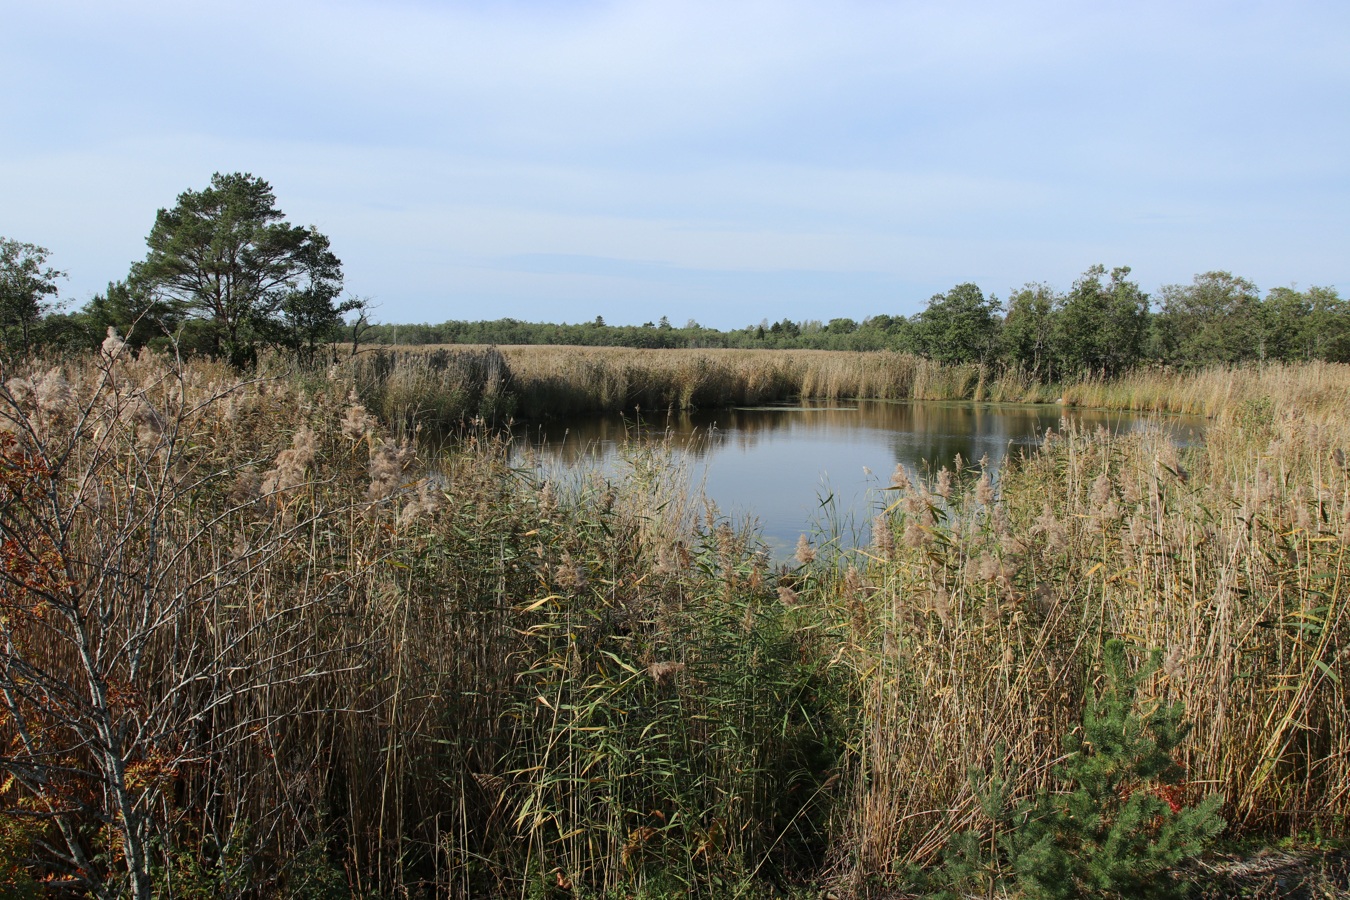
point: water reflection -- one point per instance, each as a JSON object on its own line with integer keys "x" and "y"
{"x": 821, "y": 466}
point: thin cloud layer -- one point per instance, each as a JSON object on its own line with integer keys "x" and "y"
{"x": 725, "y": 162}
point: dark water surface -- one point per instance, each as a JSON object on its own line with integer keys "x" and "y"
{"x": 819, "y": 468}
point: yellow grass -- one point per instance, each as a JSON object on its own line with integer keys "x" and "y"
{"x": 1317, "y": 389}
{"x": 979, "y": 625}
{"x": 560, "y": 381}
{"x": 563, "y": 381}
{"x": 417, "y": 671}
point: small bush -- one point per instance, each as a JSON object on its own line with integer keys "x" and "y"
{"x": 1115, "y": 828}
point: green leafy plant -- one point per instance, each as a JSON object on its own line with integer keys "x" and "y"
{"x": 16, "y": 847}
{"x": 1115, "y": 828}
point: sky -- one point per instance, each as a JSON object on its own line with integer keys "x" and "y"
{"x": 726, "y": 162}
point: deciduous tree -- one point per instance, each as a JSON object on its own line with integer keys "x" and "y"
{"x": 1028, "y": 329}
{"x": 1326, "y": 330}
{"x": 1101, "y": 326}
{"x": 960, "y": 326}
{"x": 26, "y": 283}
{"x": 1215, "y": 319}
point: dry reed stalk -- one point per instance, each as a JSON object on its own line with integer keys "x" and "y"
{"x": 338, "y": 671}
{"x": 1319, "y": 390}
{"x": 574, "y": 380}
{"x": 1231, "y": 557}
{"x": 392, "y": 663}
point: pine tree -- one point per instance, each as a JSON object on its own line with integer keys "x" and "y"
{"x": 1114, "y": 829}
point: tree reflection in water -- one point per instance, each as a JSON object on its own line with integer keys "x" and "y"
{"x": 779, "y": 464}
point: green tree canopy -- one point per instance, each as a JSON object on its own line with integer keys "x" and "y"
{"x": 1215, "y": 319}
{"x": 959, "y": 326}
{"x": 135, "y": 312}
{"x": 226, "y": 258}
{"x": 26, "y": 281}
{"x": 1101, "y": 327}
{"x": 1028, "y": 329}
{"x": 1324, "y": 330}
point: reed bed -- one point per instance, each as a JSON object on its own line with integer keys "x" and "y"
{"x": 1317, "y": 389}
{"x": 569, "y": 381}
{"x": 258, "y": 645}
{"x": 976, "y": 622}
{"x": 545, "y": 381}
{"x": 259, "y": 642}
{"x": 437, "y": 390}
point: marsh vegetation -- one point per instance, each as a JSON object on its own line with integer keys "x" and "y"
{"x": 261, "y": 640}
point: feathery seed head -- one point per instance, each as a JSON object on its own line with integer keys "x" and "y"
{"x": 984, "y": 491}
{"x": 113, "y": 345}
{"x": 900, "y": 478}
{"x": 806, "y": 554}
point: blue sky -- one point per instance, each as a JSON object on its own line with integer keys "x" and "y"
{"x": 722, "y": 161}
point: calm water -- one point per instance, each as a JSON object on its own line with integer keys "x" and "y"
{"x": 819, "y": 468}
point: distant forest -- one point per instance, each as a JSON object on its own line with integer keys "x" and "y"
{"x": 227, "y": 276}
{"x": 1103, "y": 325}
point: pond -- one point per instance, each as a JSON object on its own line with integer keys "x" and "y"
{"x": 819, "y": 468}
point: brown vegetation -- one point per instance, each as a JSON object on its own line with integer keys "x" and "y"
{"x": 256, "y": 645}
{"x": 974, "y": 634}
{"x": 535, "y": 382}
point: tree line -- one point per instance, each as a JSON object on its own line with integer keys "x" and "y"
{"x": 1104, "y": 324}
{"x": 226, "y": 275}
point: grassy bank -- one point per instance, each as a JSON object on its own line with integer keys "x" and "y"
{"x": 976, "y": 625}
{"x": 558, "y": 382}
{"x": 257, "y": 645}
{"x": 442, "y": 385}
{"x": 1318, "y": 390}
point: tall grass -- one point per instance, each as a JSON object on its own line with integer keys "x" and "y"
{"x": 974, "y": 622}
{"x": 1318, "y": 388}
{"x": 310, "y": 657}
{"x": 437, "y": 390}
{"x": 569, "y": 381}
{"x": 341, "y": 660}
{"x": 543, "y": 381}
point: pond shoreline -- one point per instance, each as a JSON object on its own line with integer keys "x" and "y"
{"x": 777, "y": 463}
{"x": 440, "y": 388}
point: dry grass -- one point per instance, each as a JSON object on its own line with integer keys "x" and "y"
{"x": 306, "y": 652}
{"x": 563, "y": 381}
{"x": 976, "y": 636}
{"x": 433, "y": 389}
{"x": 549, "y": 381}
{"x": 1318, "y": 390}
